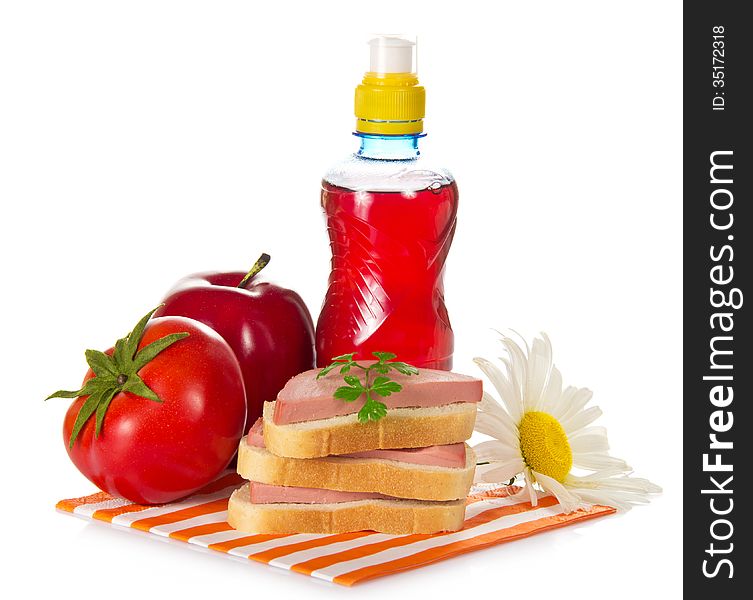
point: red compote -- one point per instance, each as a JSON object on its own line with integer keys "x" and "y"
{"x": 385, "y": 289}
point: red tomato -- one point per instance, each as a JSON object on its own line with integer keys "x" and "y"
{"x": 150, "y": 452}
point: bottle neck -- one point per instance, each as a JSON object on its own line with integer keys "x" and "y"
{"x": 388, "y": 147}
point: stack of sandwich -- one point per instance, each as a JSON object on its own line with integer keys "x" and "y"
{"x": 313, "y": 467}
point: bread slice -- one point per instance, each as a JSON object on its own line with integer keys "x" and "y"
{"x": 400, "y": 517}
{"x": 401, "y": 428}
{"x": 346, "y": 474}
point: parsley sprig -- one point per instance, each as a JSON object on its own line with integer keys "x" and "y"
{"x": 382, "y": 385}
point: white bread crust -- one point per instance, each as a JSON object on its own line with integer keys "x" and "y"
{"x": 401, "y": 428}
{"x": 398, "y": 517}
{"x": 388, "y": 477}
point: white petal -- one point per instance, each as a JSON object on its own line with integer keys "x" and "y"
{"x": 604, "y": 480}
{"x": 597, "y": 476}
{"x": 562, "y": 405}
{"x": 581, "y": 419}
{"x": 498, "y": 471}
{"x": 490, "y": 405}
{"x": 509, "y": 394}
{"x": 539, "y": 368}
{"x": 532, "y": 497}
{"x": 551, "y": 397}
{"x": 521, "y": 494}
{"x": 569, "y": 501}
{"x": 495, "y": 450}
{"x": 576, "y": 401}
{"x": 597, "y": 461}
{"x": 499, "y": 418}
{"x": 588, "y": 440}
{"x": 517, "y": 368}
{"x": 494, "y": 427}
{"x": 620, "y": 500}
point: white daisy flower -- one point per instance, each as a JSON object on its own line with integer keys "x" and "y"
{"x": 543, "y": 432}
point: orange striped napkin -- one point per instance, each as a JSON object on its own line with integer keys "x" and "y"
{"x": 492, "y": 517}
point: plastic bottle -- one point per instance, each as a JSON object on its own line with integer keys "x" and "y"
{"x": 391, "y": 217}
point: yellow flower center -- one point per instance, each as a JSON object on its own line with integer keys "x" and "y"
{"x": 544, "y": 445}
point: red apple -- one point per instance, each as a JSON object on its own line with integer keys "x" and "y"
{"x": 268, "y": 327}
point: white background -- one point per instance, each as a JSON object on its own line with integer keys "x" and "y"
{"x": 142, "y": 141}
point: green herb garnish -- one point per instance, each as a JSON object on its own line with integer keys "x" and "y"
{"x": 372, "y": 409}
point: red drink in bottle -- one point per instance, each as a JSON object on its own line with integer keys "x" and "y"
{"x": 385, "y": 289}
{"x": 391, "y": 218}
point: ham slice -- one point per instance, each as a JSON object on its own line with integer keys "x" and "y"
{"x": 449, "y": 455}
{"x": 306, "y": 398}
{"x": 262, "y": 493}
{"x": 255, "y": 435}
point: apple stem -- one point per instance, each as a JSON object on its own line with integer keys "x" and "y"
{"x": 261, "y": 262}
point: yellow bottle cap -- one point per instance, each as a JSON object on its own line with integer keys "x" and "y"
{"x": 389, "y": 100}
